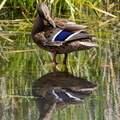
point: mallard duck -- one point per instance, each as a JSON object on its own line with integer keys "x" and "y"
{"x": 58, "y": 35}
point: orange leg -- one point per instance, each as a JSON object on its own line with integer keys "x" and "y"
{"x": 65, "y": 59}
{"x": 54, "y": 59}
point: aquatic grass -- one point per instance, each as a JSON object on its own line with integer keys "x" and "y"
{"x": 72, "y": 5}
{"x": 2, "y": 4}
{"x": 87, "y": 69}
{"x": 93, "y": 7}
{"x": 6, "y": 38}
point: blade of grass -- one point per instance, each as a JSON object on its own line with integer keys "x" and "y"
{"x": 8, "y": 39}
{"x": 95, "y": 8}
{"x": 6, "y": 52}
{"x": 2, "y": 4}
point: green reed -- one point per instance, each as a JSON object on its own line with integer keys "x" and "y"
{"x": 28, "y": 7}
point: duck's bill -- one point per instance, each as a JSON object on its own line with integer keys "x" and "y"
{"x": 51, "y": 22}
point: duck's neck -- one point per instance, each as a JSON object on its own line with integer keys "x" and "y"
{"x": 38, "y": 26}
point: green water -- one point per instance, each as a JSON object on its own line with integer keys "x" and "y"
{"x": 22, "y": 63}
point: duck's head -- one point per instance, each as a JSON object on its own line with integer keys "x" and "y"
{"x": 45, "y": 14}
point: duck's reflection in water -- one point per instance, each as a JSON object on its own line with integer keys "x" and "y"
{"x": 60, "y": 90}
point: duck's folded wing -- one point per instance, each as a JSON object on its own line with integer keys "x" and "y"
{"x": 59, "y": 43}
{"x": 89, "y": 44}
{"x": 78, "y": 35}
{"x": 58, "y": 36}
{"x": 54, "y": 43}
{"x": 69, "y": 26}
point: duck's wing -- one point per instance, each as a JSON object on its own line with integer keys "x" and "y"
{"x": 59, "y": 34}
{"x": 68, "y": 26}
{"x": 59, "y": 37}
{"x": 78, "y": 35}
{"x": 66, "y": 32}
{"x": 73, "y": 27}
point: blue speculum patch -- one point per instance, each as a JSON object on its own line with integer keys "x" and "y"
{"x": 62, "y": 95}
{"x": 63, "y": 35}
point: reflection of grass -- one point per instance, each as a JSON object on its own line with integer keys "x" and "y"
{"x": 95, "y": 15}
